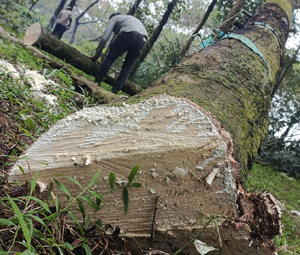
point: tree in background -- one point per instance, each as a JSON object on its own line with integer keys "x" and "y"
{"x": 225, "y": 6}
{"x": 57, "y": 11}
{"x": 154, "y": 36}
{"x": 281, "y": 147}
{"x": 163, "y": 56}
{"x": 72, "y": 3}
{"x": 229, "y": 20}
{"x": 165, "y": 53}
{"x": 134, "y": 7}
{"x": 80, "y": 16}
{"x": 203, "y": 21}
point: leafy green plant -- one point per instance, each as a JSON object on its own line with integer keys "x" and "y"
{"x": 28, "y": 115}
{"x": 39, "y": 222}
{"x": 15, "y": 16}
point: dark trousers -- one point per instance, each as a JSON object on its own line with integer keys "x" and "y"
{"x": 58, "y": 30}
{"x": 133, "y": 43}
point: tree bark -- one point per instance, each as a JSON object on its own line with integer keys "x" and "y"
{"x": 37, "y": 35}
{"x": 154, "y": 37}
{"x": 56, "y": 13}
{"x": 194, "y": 133}
{"x": 191, "y": 38}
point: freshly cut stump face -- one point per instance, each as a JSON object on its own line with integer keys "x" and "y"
{"x": 33, "y": 33}
{"x": 184, "y": 157}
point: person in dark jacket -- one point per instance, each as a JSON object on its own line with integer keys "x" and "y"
{"x": 132, "y": 37}
{"x": 63, "y": 23}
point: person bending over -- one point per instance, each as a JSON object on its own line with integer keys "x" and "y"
{"x": 131, "y": 38}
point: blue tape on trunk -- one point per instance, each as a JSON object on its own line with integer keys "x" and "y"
{"x": 249, "y": 44}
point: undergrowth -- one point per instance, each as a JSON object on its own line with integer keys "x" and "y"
{"x": 23, "y": 115}
{"x": 29, "y": 225}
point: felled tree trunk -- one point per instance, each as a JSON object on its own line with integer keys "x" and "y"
{"x": 79, "y": 82}
{"x": 38, "y": 36}
{"x": 194, "y": 134}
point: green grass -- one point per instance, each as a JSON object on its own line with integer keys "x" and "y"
{"x": 25, "y": 116}
{"x": 287, "y": 191}
{"x": 41, "y": 226}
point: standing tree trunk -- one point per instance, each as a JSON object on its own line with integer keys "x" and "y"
{"x": 134, "y": 7}
{"x": 56, "y": 13}
{"x": 154, "y": 37}
{"x": 191, "y": 38}
{"x": 194, "y": 133}
{"x": 77, "y": 23}
{"x": 72, "y": 3}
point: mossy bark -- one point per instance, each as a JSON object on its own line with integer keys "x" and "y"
{"x": 231, "y": 81}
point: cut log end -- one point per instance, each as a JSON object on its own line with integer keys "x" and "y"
{"x": 184, "y": 158}
{"x": 33, "y": 33}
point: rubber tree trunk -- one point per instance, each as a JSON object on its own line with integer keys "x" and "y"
{"x": 234, "y": 83}
{"x": 56, "y": 13}
{"x": 191, "y": 38}
{"x": 38, "y": 36}
{"x": 194, "y": 133}
{"x": 154, "y": 37}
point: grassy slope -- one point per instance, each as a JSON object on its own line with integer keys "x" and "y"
{"x": 287, "y": 191}
{"x": 23, "y": 116}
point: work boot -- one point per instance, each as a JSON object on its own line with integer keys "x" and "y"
{"x": 98, "y": 79}
{"x": 115, "y": 89}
